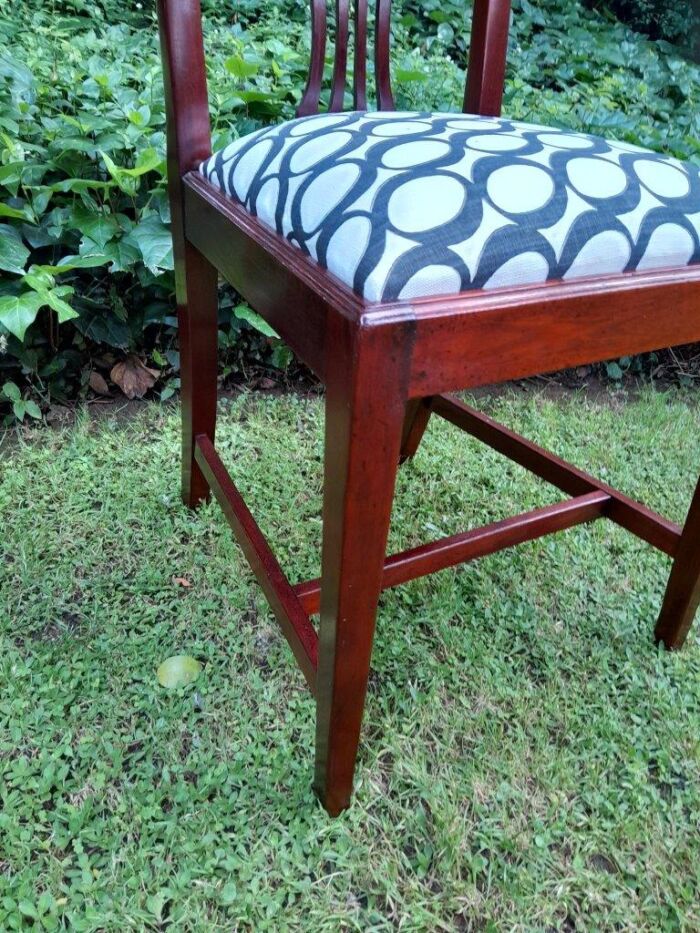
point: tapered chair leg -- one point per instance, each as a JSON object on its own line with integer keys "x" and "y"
{"x": 414, "y": 425}
{"x": 197, "y": 320}
{"x": 683, "y": 591}
{"x": 364, "y": 415}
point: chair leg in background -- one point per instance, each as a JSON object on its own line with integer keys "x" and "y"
{"x": 683, "y": 591}
{"x": 414, "y": 425}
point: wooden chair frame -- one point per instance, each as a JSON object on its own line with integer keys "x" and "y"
{"x": 387, "y": 368}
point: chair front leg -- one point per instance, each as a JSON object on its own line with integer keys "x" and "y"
{"x": 683, "y": 591}
{"x": 197, "y": 321}
{"x": 365, "y": 406}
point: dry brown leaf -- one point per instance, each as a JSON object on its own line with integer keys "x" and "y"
{"x": 182, "y": 581}
{"x": 98, "y": 383}
{"x": 133, "y": 377}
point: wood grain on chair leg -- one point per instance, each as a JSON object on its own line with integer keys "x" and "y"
{"x": 198, "y": 333}
{"x": 415, "y": 422}
{"x": 365, "y": 407}
{"x": 683, "y": 591}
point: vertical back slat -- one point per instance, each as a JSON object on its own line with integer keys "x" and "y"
{"x": 385, "y": 99}
{"x": 312, "y": 92}
{"x": 342, "y": 23}
{"x": 360, "y": 82}
{"x": 487, "y": 57}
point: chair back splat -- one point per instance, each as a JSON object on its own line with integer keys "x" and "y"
{"x": 487, "y": 58}
{"x": 312, "y": 94}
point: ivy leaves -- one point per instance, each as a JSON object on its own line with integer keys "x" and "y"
{"x": 13, "y": 252}
{"x": 154, "y": 242}
{"x": 18, "y": 312}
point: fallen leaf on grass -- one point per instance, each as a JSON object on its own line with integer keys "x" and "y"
{"x": 182, "y": 581}
{"x": 178, "y": 670}
{"x": 98, "y": 383}
{"x": 133, "y": 377}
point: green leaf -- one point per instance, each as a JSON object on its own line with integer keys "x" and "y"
{"x": 156, "y": 902}
{"x": 410, "y": 74}
{"x": 229, "y": 893}
{"x": 245, "y": 313}
{"x": 80, "y": 185}
{"x": 87, "y": 261}
{"x": 96, "y": 225}
{"x": 178, "y": 670}
{"x": 140, "y": 116}
{"x": 38, "y": 278}
{"x": 54, "y": 299}
{"x": 13, "y": 252}
{"x": 13, "y": 212}
{"x": 147, "y": 161}
{"x": 102, "y": 326}
{"x": 614, "y": 371}
{"x": 18, "y": 312}
{"x": 282, "y": 356}
{"x": 28, "y": 909}
{"x": 32, "y": 409}
{"x": 239, "y": 67}
{"x": 155, "y": 243}
{"x": 11, "y": 391}
{"x": 122, "y": 254}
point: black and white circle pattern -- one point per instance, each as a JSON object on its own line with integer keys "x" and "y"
{"x": 404, "y": 205}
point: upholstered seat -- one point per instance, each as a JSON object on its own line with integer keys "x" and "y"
{"x": 404, "y": 205}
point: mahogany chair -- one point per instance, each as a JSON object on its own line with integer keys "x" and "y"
{"x": 403, "y": 256}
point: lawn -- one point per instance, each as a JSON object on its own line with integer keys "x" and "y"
{"x": 529, "y": 760}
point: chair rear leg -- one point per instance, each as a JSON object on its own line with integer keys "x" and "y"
{"x": 197, "y": 321}
{"x": 414, "y": 425}
{"x": 364, "y": 413}
{"x": 683, "y": 591}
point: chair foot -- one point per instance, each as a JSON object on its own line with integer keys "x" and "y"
{"x": 682, "y": 596}
{"x": 415, "y": 422}
{"x": 197, "y": 318}
{"x": 365, "y": 406}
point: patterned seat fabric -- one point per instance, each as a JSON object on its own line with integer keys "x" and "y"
{"x": 404, "y": 205}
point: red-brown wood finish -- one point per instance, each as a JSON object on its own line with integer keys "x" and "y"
{"x": 311, "y": 97}
{"x": 363, "y": 440}
{"x": 312, "y": 93}
{"x": 189, "y": 141}
{"x": 635, "y": 517}
{"x": 293, "y": 619}
{"x": 359, "y": 99}
{"x": 382, "y": 43}
{"x": 386, "y": 368}
{"x": 414, "y": 425}
{"x": 470, "y": 545}
{"x": 487, "y": 57}
{"x": 683, "y": 591}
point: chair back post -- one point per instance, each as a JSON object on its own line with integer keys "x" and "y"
{"x": 487, "y": 57}
{"x": 186, "y": 106}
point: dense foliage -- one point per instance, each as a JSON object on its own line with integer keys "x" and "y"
{"x": 85, "y": 255}
{"x": 675, "y": 20}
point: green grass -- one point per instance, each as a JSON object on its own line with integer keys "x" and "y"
{"x": 529, "y": 760}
